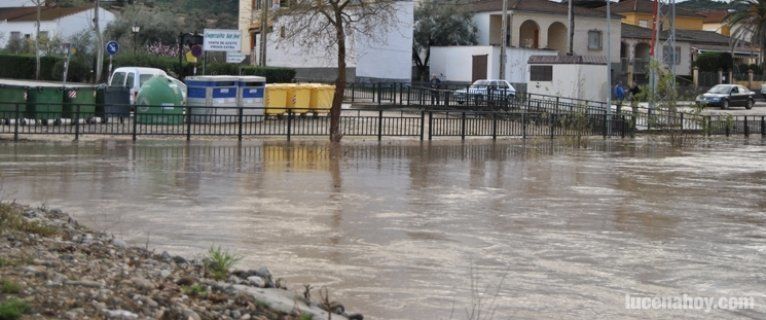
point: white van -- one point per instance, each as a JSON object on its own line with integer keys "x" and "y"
{"x": 133, "y": 78}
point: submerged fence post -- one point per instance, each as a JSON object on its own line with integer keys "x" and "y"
{"x": 422, "y": 124}
{"x": 550, "y": 123}
{"x": 524, "y": 124}
{"x": 380, "y": 125}
{"x": 77, "y": 123}
{"x": 763, "y": 126}
{"x": 241, "y": 115}
{"x": 494, "y": 126}
{"x": 353, "y": 92}
{"x": 462, "y": 126}
{"x": 16, "y": 124}
{"x": 289, "y": 124}
{"x": 623, "y": 127}
{"x": 604, "y": 125}
{"x": 188, "y": 123}
{"x": 135, "y": 122}
{"x": 747, "y": 129}
{"x": 430, "y": 125}
{"x": 708, "y": 126}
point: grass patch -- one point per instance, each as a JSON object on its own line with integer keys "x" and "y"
{"x": 306, "y": 316}
{"x": 219, "y": 262}
{"x": 195, "y": 290}
{"x": 4, "y": 262}
{"x": 10, "y": 219}
{"x": 9, "y": 287}
{"x": 13, "y": 309}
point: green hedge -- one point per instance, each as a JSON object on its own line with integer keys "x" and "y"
{"x": 23, "y": 67}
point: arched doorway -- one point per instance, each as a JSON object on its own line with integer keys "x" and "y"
{"x": 529, "y": 35}
{"x": 557, "y": 37}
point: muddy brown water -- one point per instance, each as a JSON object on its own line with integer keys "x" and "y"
{"x": 404, "y": 230}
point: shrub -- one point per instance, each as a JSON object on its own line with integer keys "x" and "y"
{"x": 713, "y": 61}
{"x": 23, "y": 66}
{"x": 13, "y": 309}
{"x": 9, "y": 287}
{"x": 219, "y": 262}
{"x": 272, "y": 74}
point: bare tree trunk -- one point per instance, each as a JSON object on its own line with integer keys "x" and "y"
{"x": 340, "y": 82}
{"x": 37, "y": 41}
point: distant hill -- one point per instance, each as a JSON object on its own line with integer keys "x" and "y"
{"x": 704, "y": 5}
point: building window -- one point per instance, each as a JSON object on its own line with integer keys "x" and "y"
{"x": 594, "y": 40}
{"x": 541, "y": 73}
{"x": 256, "y": 5}
{"x": 43, "y": 34}
{"x": 643, "y": 23}
{"x": 666, "y": 57}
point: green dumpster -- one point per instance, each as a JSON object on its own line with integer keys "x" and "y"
{"x": 85, "y": 97}
{"x": 45, "y": 102}
{"x": 160, "y": 101}
{"x": 10, "y": 97}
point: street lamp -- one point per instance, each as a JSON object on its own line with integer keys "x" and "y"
{"x": 136, "y": 28}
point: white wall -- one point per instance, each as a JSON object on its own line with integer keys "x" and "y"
{"x": 390, "y": 55}
{"x": 386, "y": 55}
{"x": 15, "y": 3}
{"x": 586, "y": 82}
{"x": 456, "y": 62}
{"x": 63, "y": 28}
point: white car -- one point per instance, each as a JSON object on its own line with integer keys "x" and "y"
{"x": 481, "y": 90}
{"x": 133, "y": 78}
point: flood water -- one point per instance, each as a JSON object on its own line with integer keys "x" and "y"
{"x": 401, "y": 230}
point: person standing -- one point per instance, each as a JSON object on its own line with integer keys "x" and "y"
{"x": 435, "y": 85}
{"x": 619, "y": 95}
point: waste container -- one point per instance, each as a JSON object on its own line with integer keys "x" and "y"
{"x": 298, "y": 98}
{"x": 10, "y": 97}
{"x": 276, "y": 99}
{"x": 212, "y": 99}
{"x": 45, "y": 101}
{"x": 160, "y": 101}
{"x": 321, "y": 97}
{"x": 82, "y": 96}
{"x": 113, "y": 102}
{"x": 250, "y": 96}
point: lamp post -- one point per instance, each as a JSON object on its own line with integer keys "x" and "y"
{"x": 136, "y": 29}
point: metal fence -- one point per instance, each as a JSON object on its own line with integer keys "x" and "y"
{"x": 238, "y": 122}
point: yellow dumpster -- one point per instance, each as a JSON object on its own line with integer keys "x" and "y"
{"x": 298, "y": 98}
{"x": 321, "y": 97}
{"x": 276, "y": 99}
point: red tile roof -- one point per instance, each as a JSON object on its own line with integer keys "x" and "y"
{"x": 542, "y": 6}
{"x": 647, "y": 6}
{"x": 47, "y": 13}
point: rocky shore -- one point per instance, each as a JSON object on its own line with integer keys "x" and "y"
{"x": 53, "y": 268}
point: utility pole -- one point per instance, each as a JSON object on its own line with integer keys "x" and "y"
{"x": 504, "y": 41}
{"x": 264, "y": 32}
{"x": 570, "y": 19}
{"x": 39, "y": 3}
{"x": 99, "y": 44}
{"x": 608, "y": 66}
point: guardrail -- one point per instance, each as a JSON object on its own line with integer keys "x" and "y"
{"x": 241, "y": 122}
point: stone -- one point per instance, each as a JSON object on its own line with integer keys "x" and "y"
{"x": 164, "y": 273}
{"x": 165, "y": 256}
{"x": 120, "y": 243}
{"x": 84, "y": 283}
{"x": 236, "y": 314}
{"x": 245, "y": 316}
{"x": 256, "y": 281}
{"x": 142, "y": 283}
{"x": 264, "y": 272}
{"x": 355, "y": 316}
{"x": 29, "y": 213}
{"x": 120, "y": 314}
{"x": 180, "y": 260}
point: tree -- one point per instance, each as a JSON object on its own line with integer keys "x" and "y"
{"x": 329, "y": 25}
{"x": 440, "y": 24}
{"x": 39, "y": 4}
{"x": 749, "y": 21}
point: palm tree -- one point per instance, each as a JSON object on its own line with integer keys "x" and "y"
{"x": 748, "y": 21}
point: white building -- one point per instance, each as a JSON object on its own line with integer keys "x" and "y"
{"x": 55, "y": 22}
{"x": 575, "y": 77}
{"x": 385, "y": 56}
{"x": 535, "y": 27}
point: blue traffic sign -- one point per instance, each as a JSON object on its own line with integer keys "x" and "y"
{"x": 112, "y": 47}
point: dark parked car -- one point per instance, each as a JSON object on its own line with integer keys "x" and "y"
{"x": 728, "y": 95}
